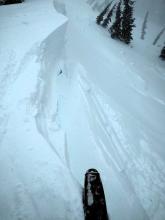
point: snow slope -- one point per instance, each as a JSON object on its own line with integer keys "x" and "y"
{"x": 72, "y": 99}
{"x": 35, "y": 182}
{"x": 126, "y": 114}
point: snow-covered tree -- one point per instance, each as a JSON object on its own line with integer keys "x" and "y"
{"x": 109, "y": 17}
{"x": 115, "y": 29}
{"x": 100, "y": 18}
{"x": 162, "y": 55}
{"x": 127, "y": 21}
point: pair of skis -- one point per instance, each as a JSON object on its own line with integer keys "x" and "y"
{"x": 93, "y": 197}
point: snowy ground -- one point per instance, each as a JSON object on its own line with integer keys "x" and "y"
{"x": 35, "y": 181}
{"x": 72, "y": 99}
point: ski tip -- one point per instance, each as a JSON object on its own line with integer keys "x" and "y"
{"x": 93, "y": 196}
{"x": 92, "y": 170}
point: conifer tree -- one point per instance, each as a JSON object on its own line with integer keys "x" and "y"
{"x": 127, "y": 21}
{"x": 100, "y": 18}
{"x": 162, "y": 55}
{"x": 109, "y": 16}
{"x": 115, "y": 30}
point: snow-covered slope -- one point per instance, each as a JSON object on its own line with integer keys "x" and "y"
{"x": 126, "y": 117}
{"x": 35, "y": 182}
{"x": 72, "y": 99}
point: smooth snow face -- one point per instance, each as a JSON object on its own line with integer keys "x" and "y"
{"x": 35, "y": 181}
{"x": 72, "y": 100}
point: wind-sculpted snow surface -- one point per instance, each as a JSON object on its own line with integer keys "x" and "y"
{"x": 68, "y": 103}
{"x": 36, "y": 182}
{"x": 125, "y": 105}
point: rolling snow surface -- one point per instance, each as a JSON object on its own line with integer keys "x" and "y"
{"x": 73, "y": 99}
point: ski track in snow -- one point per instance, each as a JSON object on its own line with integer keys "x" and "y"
{"x": 52, "y": 114}
{"x": 117, "y": 150}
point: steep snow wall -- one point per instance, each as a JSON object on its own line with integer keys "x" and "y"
{"x": 35, "y": 181}
{"x": 51, "y": 66}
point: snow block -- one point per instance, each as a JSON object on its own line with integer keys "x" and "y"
{"x": 93, "y": 197}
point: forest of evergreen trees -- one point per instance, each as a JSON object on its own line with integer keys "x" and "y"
{"x": 123, "y": 24}
{"x": 119, "y": 21}
{"x": 7, "y": 2}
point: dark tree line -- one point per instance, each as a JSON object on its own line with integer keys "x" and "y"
{"x": 7, "y": 2}
{"x": 115, "y": 29}
{"x": 100, "y": 18}
{"x": 162, "y": 55}
{"x": 127, "y": 22}
{"x": 107, "y": 20}
{"x": 123, "y": 25}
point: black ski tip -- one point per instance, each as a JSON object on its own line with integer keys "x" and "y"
{"x": 92, "y": 170}
{"x": 93, "y": 197}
